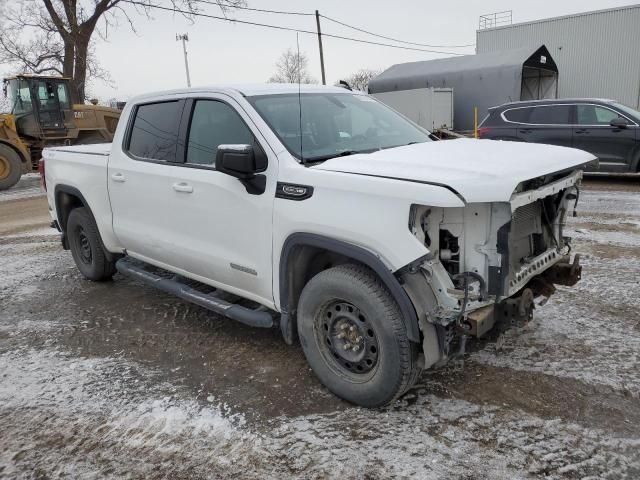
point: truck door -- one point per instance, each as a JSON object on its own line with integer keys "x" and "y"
{"x": 138, "y": 180}
{"x": 219, "y": 231}
{"x": 614, "y": 146}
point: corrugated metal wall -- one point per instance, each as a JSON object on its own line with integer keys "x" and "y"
{"x": 597, "y": 53}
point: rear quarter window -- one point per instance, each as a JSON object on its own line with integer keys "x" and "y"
{"x": 518, "y": 115}
{"x": 154, "y": 132}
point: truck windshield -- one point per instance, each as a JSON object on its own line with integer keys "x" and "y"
{"x": 334, "y": 124}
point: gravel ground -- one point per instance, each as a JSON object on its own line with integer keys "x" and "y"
{"x": 117, "y": 380}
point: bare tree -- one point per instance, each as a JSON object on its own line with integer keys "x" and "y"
{"x": 291, "y": 67}
{"x": 360, "y": 79}
{"x": 56, "y": 36}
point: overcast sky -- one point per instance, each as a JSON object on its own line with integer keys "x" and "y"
{"x": 222, "y": 52}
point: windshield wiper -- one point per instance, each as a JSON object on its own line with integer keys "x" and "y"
{"x": 321, "y": 158}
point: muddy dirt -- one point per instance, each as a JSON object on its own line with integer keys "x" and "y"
{"x": 117, "y": 380}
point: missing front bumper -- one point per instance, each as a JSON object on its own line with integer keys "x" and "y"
{"x": 518, "y": 310}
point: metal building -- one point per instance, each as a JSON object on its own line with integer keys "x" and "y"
{"x": 480, "y": 81}
{"x": 596, "y": 52}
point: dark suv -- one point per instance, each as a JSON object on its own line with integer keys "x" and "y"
{"x": 604, "y": 128}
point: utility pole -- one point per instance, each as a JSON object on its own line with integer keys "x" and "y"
{"x": 185, "y": 39}
{"x": 324, "y": 80}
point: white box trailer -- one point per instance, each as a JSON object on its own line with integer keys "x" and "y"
{"x": 431, "y": 108}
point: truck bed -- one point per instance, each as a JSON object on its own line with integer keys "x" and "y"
{"x": 82, "y": 170}
{"x": 93, "y": 149}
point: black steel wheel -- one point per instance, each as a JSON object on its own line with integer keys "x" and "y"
{"x": 85, "y": 246}
{"x": 354, "y": 338}
{"x": 349, "y": 337}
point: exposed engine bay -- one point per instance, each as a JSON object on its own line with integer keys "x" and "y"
{"x": 489, "y": 262}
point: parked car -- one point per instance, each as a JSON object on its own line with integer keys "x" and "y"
{"x": 605, "y": 128}
{"x": 343, "y": 224}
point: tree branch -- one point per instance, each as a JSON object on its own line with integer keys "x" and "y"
{"x": 55, "y": 18}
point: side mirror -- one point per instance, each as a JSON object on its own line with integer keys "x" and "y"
{"x": 619, "y": 122}
{"x": 239, "y": 161}
{"x": 244, "y": 163}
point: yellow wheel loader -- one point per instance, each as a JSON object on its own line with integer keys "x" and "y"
{"x": 41, "y": 115}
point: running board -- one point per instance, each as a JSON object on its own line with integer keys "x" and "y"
{"x": 259, "y": 317}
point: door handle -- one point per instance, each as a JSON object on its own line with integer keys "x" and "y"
{"x": 117, "y": 177}
{"x": 581, "y": 130}
{"x": 182, "y": 187}
{"x": 525, "y": 130}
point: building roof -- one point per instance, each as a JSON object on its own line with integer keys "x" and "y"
{"x": 562, "y": 17}
{"x": 406, "y": 76}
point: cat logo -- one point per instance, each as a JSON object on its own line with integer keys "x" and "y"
{"x": 78, "y": 115}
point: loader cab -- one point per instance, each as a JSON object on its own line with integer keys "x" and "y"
{"x": 41, "y": 105}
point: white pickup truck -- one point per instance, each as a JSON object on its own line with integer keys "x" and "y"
{"x": 326, "y": 214}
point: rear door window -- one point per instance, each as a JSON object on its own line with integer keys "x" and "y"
{"x": 154, "y": 133}
{"x": 551, "y": 115}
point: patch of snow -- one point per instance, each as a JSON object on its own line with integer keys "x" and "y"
{"x": 589, "y": 332}
{"x": 38, "y": 232}
{"x": 82, "y": 401}
{"x": 608, "y": 238}
{"x": 26, "y": 263}
{"x": 28, "y": 186}
{"x": 109, "y": 418}
{"x": 609, "y": 202}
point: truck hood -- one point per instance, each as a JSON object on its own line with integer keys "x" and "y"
{"x": 478, "y": 170}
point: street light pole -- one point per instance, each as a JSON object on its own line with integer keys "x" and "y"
{"x": 185, "y": 39}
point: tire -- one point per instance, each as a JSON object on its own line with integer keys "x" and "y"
{"x": 10, "y": 167}
{"x": 86, "y": 246}
{"x": 385, "y": 364}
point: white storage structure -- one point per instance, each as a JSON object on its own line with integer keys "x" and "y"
{"x": 431, "y": 108}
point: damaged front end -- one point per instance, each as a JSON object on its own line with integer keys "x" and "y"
{"x": 490, "y": 262}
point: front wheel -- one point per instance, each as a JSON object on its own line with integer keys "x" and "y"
{"x": 353, "y": 336}
{"x": 86, "y": 246}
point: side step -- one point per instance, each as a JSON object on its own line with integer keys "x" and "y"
{"x": 211, "y": 301}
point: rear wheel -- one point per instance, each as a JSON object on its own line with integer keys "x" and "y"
{"x": 353, "y": 336}
{"x": 10, "y": 167}
{"x": 86, "y": 246}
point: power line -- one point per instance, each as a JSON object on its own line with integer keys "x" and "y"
{"x": 394, "y": 39}
{"x": 282, "y": 12}
{"x": 279, "y": 27}
{"x": 262, "y": 10}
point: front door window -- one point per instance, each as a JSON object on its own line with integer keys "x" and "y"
{"x": 595, "y": 115}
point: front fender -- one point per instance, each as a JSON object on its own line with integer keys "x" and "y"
{"x": 354, "y": 252}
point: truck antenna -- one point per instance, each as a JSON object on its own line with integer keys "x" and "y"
{"x": 299, "y": 95}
